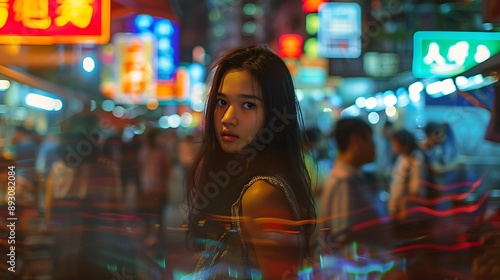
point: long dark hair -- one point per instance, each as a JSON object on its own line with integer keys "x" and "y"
{"x": 276, "y": 150}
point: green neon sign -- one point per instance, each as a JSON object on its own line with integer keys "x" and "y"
{"x": 448, "y": 53}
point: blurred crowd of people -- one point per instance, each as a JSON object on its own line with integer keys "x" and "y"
{"x": 415, "y": 196}
{"x": 80, "y": 184}
{"x": 77, "y": 171}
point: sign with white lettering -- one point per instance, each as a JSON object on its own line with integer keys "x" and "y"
{"x": 447, "y": 53}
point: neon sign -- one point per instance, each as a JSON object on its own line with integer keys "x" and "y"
{"x": 339, "y": 30}
{"x": 167, "y": 35}
{"x": 135, "y": 68}
{"x": 45, "y": 22}
{"x": 446, "y": 53}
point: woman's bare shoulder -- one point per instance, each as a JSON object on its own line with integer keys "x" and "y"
{"x": 264, "y": 199}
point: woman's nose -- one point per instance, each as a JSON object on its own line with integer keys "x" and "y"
{"x": 230, "y": 117}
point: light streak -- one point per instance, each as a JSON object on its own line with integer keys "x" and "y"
{"x": 454, "y": 247}
{"x": 456, "y": 197}
{"x": 456, "y": 185}
{"x": 433, "y": 212}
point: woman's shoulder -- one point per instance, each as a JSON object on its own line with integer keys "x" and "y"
{"x": 263, "y": 189}
{"x": 273, "y": 186}
{"x": 267, "y": 195}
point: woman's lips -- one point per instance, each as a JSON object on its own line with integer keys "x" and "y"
{"x": 229, "y": 137}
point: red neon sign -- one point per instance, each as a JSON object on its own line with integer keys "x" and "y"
{"x": 290, "y": 45}
{"x": 311, "y": 6}
{"x": 45, "y": 22}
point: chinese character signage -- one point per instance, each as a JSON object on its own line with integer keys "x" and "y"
{"x": 135, "y": 68}
{"x": 447, "y": 53}
{"x": 167, "y": 37}
{"x": 166, "y": 34}
{"x": 43, "y": 22}
{"x": 142, "y": 64}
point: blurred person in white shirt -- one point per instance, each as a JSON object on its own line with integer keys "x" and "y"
{"x": 410, "y": 173}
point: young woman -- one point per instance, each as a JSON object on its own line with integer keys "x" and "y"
{"x": 249, "y": 188}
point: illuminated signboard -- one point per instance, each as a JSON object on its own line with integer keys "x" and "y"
{"x": 167, "y": 36}
{"x": 290, "y": 45}
{"x": 311, "y": 6}
{"x": 143, "y": 64}
{"x": 380, "y": 64}
{"x": 447, "y": 53}
{"x": 339, "y": 30}
{"x": 45, "y": 22}
{"x": 135, "y": 68}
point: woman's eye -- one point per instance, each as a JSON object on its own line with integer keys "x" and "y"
{"x": 248, "y": 105}
{"x": 221, "y": 102}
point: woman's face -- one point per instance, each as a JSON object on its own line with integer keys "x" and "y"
{"x": 239, "y": 112}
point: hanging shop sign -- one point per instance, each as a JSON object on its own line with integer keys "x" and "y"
{"x": 380, "y": 65}
{"x": 135, "y": 68}
{"x": 46, "y": 22}
{"x": 447, "y": 53}
{"x": 339, "y": 30}
{"x": 167, "y": 36}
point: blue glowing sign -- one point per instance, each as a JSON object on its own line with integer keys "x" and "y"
{"x": 166, "y": 33}
{"x": 339, "y": 31}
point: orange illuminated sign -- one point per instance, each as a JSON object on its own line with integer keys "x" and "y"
{"x": 45, "y": 22}
{"x": 135, "y": 68}
{"x": 290, "y": 45}
{"x": 311, "y": 6}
